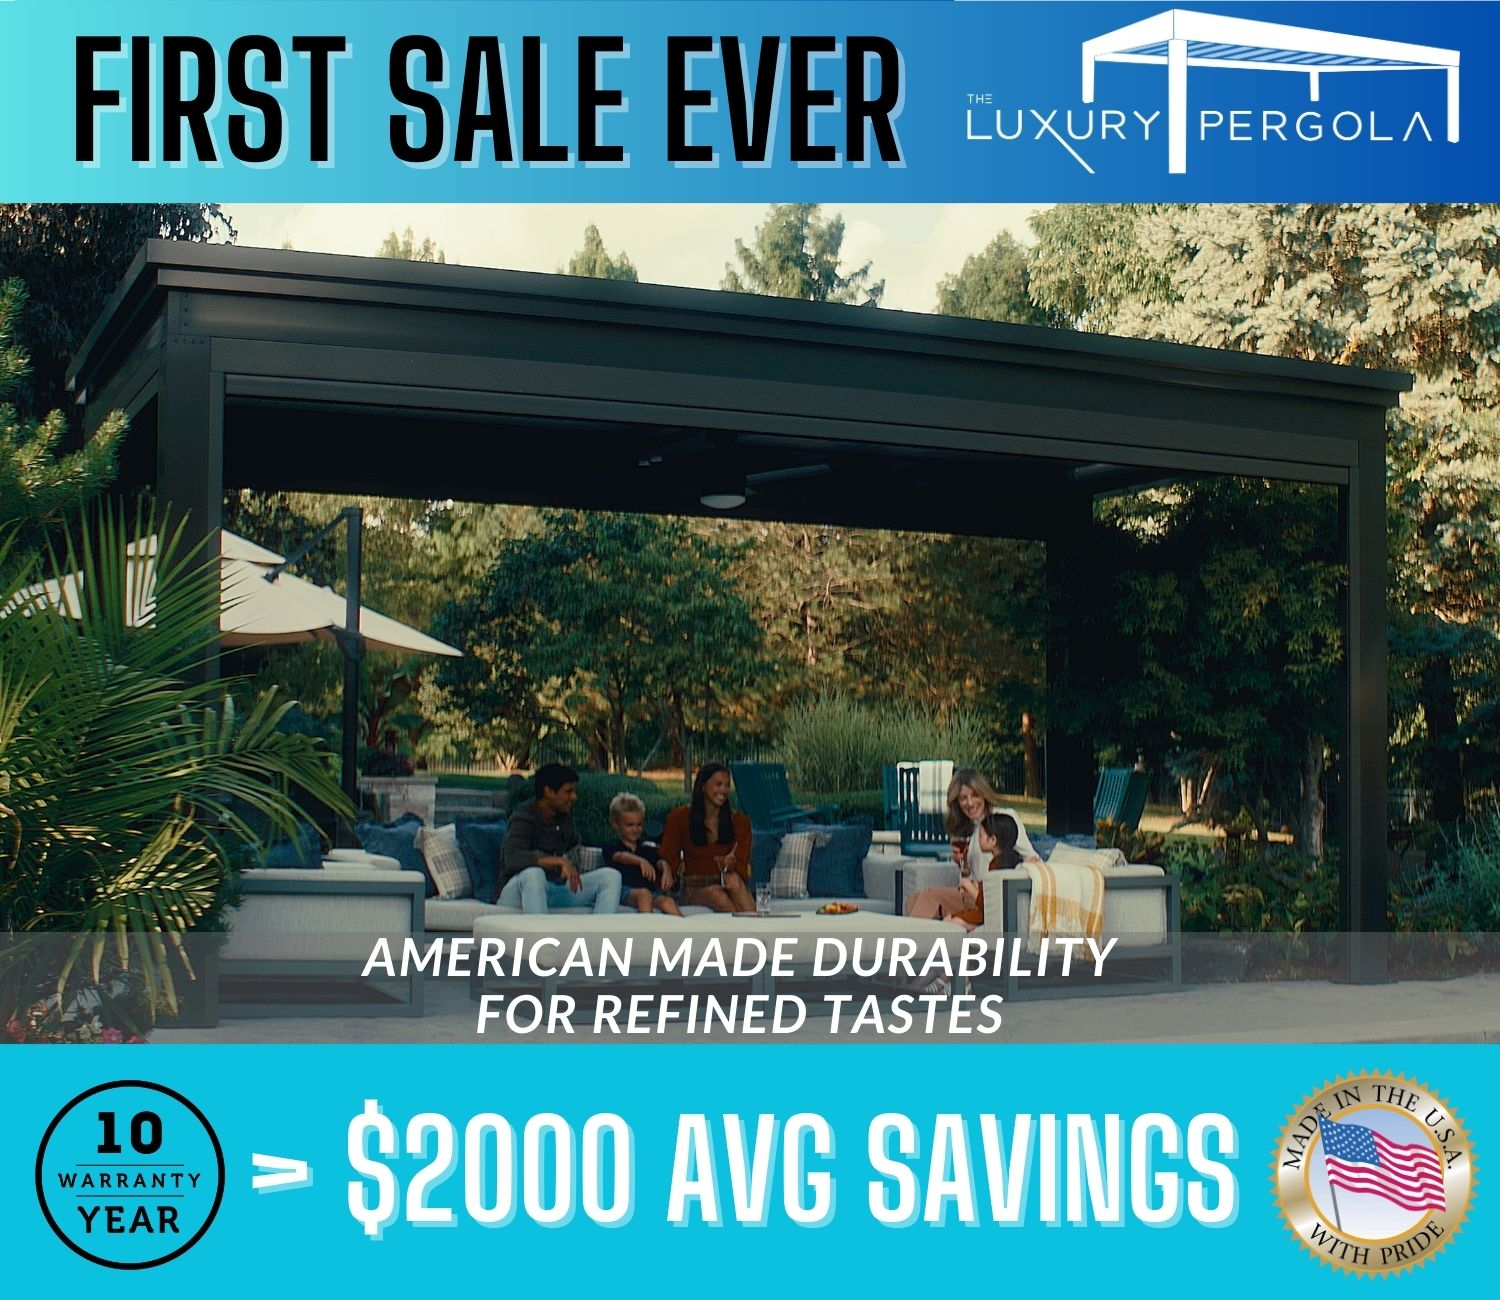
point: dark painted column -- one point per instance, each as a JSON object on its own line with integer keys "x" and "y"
{"x": 1070, "y": 758}
{"x": 1363, "y": 873}
{"x": 190, "y": 438}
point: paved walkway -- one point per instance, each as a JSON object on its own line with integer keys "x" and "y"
{"x": 1465, "y": 1010}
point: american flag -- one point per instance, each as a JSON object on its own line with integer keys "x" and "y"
{"x": 1361, "y": 1160}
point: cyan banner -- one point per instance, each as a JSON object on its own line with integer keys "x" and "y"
{"x": 667, "y": 102}
{"x": 662, "y": 1170}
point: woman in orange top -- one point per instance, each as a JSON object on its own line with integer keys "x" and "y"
{"x": 708, "y": 847}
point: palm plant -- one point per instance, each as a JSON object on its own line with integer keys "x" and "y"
{"x": 127, "y": 776}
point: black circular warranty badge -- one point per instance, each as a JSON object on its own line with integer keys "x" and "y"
{"x": 129, "y": 1174}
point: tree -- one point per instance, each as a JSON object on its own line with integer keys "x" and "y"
{"x": 963, "y": 630}
{"x": 1089, "y": 263}
{"x": 994, "y": 284}
{"x": 38, "y": 487}
{"x": 1414, "y": 287}
{"x": 796, "y": 254}
{"x": 593, "y": 260}
{"x": 72, "y": 257}
{"x": 599, "y": 623}
{"x": 404, "y": 248}
{"x": 1214, "y": 621}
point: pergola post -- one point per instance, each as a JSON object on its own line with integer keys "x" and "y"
{"x": 1070, "y": 757}
{"x": 190, "y": 447}
{"x": 1363, "y": 879}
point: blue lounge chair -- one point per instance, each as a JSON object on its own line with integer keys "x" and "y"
{"x": 765, "y": 797}
{"x": 1120, "y": 796}
{"x": 923, "y": 834}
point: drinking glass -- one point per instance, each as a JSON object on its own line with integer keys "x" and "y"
{"x": 763, "y": 900}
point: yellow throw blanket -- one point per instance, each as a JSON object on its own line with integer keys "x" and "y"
{"x": 1067, "y": 901}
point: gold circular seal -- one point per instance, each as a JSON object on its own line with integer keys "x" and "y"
{"x": 1374, "y": 1174}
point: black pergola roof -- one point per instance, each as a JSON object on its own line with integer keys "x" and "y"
{"x": 301, "y": 371}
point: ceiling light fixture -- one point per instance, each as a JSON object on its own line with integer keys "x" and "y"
{"x": 726, "y": 500}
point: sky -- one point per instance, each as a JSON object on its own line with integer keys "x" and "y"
{"x": 910, "y": 246}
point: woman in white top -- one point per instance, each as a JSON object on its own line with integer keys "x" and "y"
{"x": 971, "y": 799}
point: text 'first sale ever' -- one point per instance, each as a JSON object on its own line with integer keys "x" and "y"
{"x": 488, "y": 102}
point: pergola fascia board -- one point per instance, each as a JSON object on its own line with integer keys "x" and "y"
{"x": 348, "y": 359}
{"x": 165, "y": 266}
{"x": 1221, "y": 29}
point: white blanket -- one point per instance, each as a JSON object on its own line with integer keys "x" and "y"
{"x": 933, "y": 778}
{"x": 1067, "y": 901}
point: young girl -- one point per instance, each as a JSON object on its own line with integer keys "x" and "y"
{"x": 994, "y": 842}
{"x": 999, "y": 835}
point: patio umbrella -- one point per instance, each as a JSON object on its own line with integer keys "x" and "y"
{"x": 257, "y": 610}
{"x": 262, "y": 605}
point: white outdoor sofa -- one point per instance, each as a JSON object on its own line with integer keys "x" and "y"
{"x": 457, "y": 915}
{"x": 1142, "y": 913}
{"x": 299, "y": 940}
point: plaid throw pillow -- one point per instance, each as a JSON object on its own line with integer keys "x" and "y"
{"x": 445, "y": 861}
{"x": 789, "y": 875}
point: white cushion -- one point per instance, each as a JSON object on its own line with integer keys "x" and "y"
{"x": 450, "y": 915}
{"x": 359, "y": 860}
{"x": 917, "y": 874}
{"x": 1103, "y": 859}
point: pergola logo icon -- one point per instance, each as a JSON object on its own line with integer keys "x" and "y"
{"x": 1180, "y": 39}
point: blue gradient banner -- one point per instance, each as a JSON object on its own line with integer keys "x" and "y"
{"x": 582, "y": 1170}
{"x": 733, "y": 102}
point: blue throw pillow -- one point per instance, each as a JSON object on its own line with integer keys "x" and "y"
{"x": 480, "y": 843}
{"x": 764, "y": 848}
{"x": 837, "y": 867}
{"x": 303, "y": 850}
{"x": 1043, "y": 844}
{"x": 397, "y": 839}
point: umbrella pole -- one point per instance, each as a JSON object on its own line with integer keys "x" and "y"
{"x": 353, "y": 647}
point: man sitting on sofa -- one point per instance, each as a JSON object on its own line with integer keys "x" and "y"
{"x": 537, "y": 860}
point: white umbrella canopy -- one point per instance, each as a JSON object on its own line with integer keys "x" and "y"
{"x": 256, "y": 611}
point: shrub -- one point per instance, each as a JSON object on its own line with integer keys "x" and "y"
{"x": 1463, "y": 891}
{"x": 1271, "y": 893}
{"x": 384, "y": 762}
{"x": 852, "y": 804}
{"x": 838, "y": 743}
{"x": 1137, "y": 845}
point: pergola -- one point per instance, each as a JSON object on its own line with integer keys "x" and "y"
{"x": 309, "y": 372}
{"x": 1179, "y": 39}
